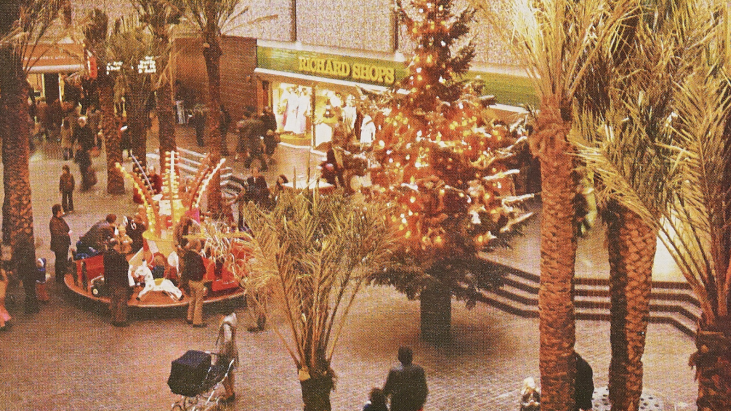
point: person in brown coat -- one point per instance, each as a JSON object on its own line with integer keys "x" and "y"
{"x": 66, "y": 185}
{"x": 60, "y": 241}
{"x": 194, "y": 270}
{"x": 116, "y": 278}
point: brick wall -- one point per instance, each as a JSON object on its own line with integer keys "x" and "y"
{"x": 238, "y": 88}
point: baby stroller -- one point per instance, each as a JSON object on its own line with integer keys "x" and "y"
{"x": 197, "y": 380}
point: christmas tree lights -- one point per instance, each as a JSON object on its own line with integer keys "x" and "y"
{"x": 444, "y": 160}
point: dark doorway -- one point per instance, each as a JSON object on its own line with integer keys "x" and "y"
{"x": 50, "y": 84}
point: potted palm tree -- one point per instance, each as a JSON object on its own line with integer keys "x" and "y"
{"x": 310, "y": 256}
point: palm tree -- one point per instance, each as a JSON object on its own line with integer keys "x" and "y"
{"x": 162, "y": 16}
{"x": 312, "y": 255}
{"x": 557, "y": 41}
{"x": 134, "y": 45}
{"x": 697, "y": 229}
{"x": 628, "y": 106}
{"x": 209, "y": 17}
{"x": 625, "y": 143}
{"x": 96, "y": 39}
{"x": 22, "y": 24}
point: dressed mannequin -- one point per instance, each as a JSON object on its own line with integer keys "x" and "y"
{"x": 303, "y": 111}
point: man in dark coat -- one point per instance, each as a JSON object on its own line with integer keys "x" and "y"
{"x": 135, "y": 229}
{"x": 406, "y": 384}
{"x": 83, "y": 135}
{"x": 256, "y": 188}
{"x": 223, "y": 126}
{"x": 60, "y": 240}
{"x": 251, "y": 132}
{"x": 583, "y": 385}
{"x": 98, "y": 234}
{"x": 116, "y": 278}
{"x": 199, "y": 123}
{"x": 24, "y": 256}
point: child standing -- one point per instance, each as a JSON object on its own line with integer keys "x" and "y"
{"x": 66, "y": 185}
{"x": 41, "y": 281}
{"x": 376, "y": 401}
{"x": 125, "y": 241}
{"x": 4, "y": 315}
{"x": 66, "y": 133}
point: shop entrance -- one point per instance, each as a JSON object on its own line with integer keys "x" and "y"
{"x": 50, "y": 86}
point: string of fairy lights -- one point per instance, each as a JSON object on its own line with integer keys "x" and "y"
{"x": 442, "y": 156}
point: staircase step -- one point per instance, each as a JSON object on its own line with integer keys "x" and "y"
{"x": 519, "y": 296}
{"x": 683, "y": 323}
{"x": 509, "y": 305}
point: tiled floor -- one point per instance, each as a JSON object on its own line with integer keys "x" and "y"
{"x": 68, "y": 357}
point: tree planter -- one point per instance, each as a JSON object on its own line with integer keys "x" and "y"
{"x": 436, "y": 313}
{"x": 713, "y": 365}
{"x": 316, "y": 393}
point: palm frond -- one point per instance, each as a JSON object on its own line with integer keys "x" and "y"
{"x": 313, "y": 255}
{"x": 35, "y": 19}
{"x": 556, "y": 40}
{"x": 698, "y": 219}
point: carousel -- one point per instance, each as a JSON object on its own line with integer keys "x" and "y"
{"x": 154, "y": 269}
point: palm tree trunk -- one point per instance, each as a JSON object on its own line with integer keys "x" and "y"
{"x": 166, "y": 118}
{"x": 212, "y": 53}
{"x": 632, "y": 245}
{"x": 558, "y": 254}
{"x": 713, "y": 366}
{"x": 137, "y": 123}
{"x": 112, "y": 138}
{"x": 15, "y": 134}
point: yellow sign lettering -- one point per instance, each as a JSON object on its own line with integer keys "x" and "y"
{"x": 356, "y": 71}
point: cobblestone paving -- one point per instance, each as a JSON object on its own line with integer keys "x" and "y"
{"x": 68, "y": 357}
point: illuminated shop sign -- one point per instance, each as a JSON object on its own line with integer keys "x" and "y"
{"x": 356, "y": 71}
{"x": 507, "y": 88}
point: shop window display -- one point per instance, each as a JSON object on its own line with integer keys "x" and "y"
{"x": 294, "y": 108}
{"x": 295, "y": 116}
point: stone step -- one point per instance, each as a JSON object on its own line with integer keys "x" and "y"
{"x": 521, "y": 304}
{"x": 669, "y": 304}
{"x": 662, "y": 299}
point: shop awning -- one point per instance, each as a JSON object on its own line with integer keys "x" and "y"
{"x": 57, "y": 58}
{"x": 311, "y": 81}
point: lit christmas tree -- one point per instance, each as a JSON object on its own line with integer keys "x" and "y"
{"x": 447, "y": 164}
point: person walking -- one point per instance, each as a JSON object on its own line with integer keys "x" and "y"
{"x": 270, "y": 133}
{"x": 406, "y": 383}
{"x": 251, "y": 131}
{"x": 64, "y": 134}
{"x": 583, "y": 385}
{"x": 193, "y": 271}
{"x": 199, "y": 123}
{"x": 25, "y": 267}
{"x": 85, "y": 138}
{"x": 117, "y": 279}
{"x": 66, "y": 185}
{"x": 60, "y": 241}
{"x": 223, "y": 126}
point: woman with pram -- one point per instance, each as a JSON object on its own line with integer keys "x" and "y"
{"x": 227, "y": 351}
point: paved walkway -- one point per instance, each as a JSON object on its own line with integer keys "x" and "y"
{"x": 68, "y": 357}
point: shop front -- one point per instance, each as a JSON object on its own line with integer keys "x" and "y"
{"x": 311, "y": 93}
{"x": 50, "y": 62}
